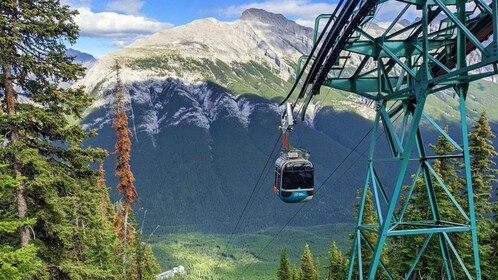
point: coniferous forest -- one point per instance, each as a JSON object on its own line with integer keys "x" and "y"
{"x": 401, "y": 251}
{"x": 57, "y": 218}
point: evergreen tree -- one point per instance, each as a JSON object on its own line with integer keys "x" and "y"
{"x": 123, "y": 171}
{"x": 494, "y": 240}
{"x": 123, "y": 148}
{"x": 317, "y": 269}
{"x": 338, "y": 265}
{"x": 147, "y": 267}
{"x": 307, "y": 267}
{"x": 137, "y": 260}
{"x": 369, "y": 218}
{"x": 405, "y": 247}
{"x": 284, "y": 271}
{"x": 15, "y": 262}
{"x": 483, "y": 176}
{"x": 296, "y": 274}
{"x": 55, "y": 197}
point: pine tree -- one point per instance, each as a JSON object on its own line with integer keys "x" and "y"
{"x": 317, "y": 269}
{"x": 284, "y": 271}
{"x": 147, "y": 267}
{"x": 15, "y": 263}
{"x": 54, "y": 197}
{"x": 137, "y": 260}
{"x": 369, "y": 218}
{"x": 494, "y": 240}
{"x": 123, "y": 171}
{"x": 307, "y": 267}
{"x": 483, "y": 176}
{"x": 296, "y": 274}
{"x": 32, "y": 53}
{"x": 419, "y": 209}
{"x": 405, "y": 247}
{"x": 337, "y": 267}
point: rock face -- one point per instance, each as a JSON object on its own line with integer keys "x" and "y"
{"x": 202, "y": 103}
{"x": 85, "y": 59}
{"x": 184, "y": 52}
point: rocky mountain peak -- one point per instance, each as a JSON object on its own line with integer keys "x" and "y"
{"x": 263, "y": 16}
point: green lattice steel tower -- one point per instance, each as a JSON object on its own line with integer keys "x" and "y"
{"x": 399, "y": 70}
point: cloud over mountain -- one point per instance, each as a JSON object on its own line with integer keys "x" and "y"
{"x": 304, "y": 11}
{"x": 111, "y": 24}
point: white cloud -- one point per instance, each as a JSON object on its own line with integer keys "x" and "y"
{"x": 123, "y": 29}
{"x": 131, "y": 7}
{"x": 303, "y": 11}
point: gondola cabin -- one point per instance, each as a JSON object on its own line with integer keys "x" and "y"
{"x": 294, "y": 177}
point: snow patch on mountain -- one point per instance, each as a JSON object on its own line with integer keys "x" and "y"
{"x": 171, "y": 102}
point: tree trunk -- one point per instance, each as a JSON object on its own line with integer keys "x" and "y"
{"x": 22, "y": 207}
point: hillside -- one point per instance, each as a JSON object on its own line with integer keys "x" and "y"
{"x": 202, "y": 102}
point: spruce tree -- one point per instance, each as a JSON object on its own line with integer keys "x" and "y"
{"x": 147, "y": 267}
{"x": 337, "y": 267}
{"x": 15, "y": 262}
{"x": 483, "y": 177}
{"x": 317, "y": 269}
{"x": 307, "y": 267}
{"x": 123, "y": 171}
{"x": 483, "y": 174}
{"x": 296, "y": 274}
{"x": 369, "y": 218}
{"x": 405, "y": 247}
{"x": 55, "y": 196}
{"x": 494, "y": 240}
{"x": 284, "y": 271}
{"x": 137, "y": 260}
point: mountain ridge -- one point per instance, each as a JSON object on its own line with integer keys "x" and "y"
{"x": 204, "y": 116}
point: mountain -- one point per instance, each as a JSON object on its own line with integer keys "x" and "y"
{"x": 203, "y": 107}
{"x": 85, "y": 59}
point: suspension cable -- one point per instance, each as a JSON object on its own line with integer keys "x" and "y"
{"x": 320, "y": 187}
{"x": 227, "y": 246}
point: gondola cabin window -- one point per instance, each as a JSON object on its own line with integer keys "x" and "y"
{"x": 297, "y": 175}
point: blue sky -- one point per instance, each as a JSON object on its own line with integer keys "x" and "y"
{"x": 107, "y": 25}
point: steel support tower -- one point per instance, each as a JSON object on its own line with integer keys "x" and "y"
{"x": 450, "y": 44}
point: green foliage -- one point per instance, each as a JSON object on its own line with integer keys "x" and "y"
{"x": 317, "y": 269}
{"x": 483, "y": 174}
{"x": 338, "y": 264}
{"x": 404, "y": 248}
{"x": 199, "y": 252}
{"x": 241, "y": 78}
{"x": 15, "y": 262}
{"x": 430, "y": 266}
{"x": 369, "y": 217}
{"x": 307, "y": 267}
{"x": 483, "y": 177}
{"x": 147, "y": 267}
{"x": 284, "y": 270}
{"x": 296, "y": 273}
{"x": 19, "y": 263}
{"x": 53, "y": 224}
